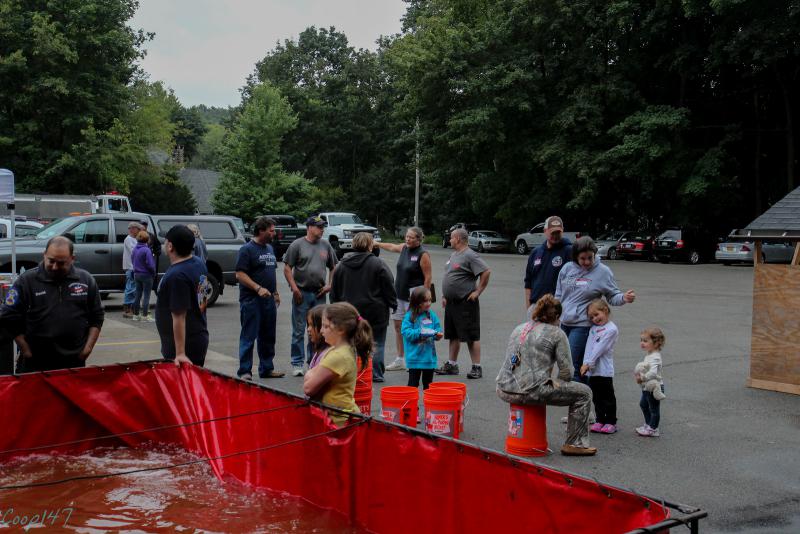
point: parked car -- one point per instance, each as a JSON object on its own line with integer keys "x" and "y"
{"x": 22, "y": 227}
{"x": 637, "y": 246}
{"x": 286, "y": 230}
{"x": 608, "y": 243}
{"x": 730, "y": 252}
{"x": 99, "y": 241}
{"x": 488, "y": 241}
{"x": 469, "y": 227}
{"x": 341, "y": 229}
{"x": 685, "y": 244}
{"x": 535, "y": 236}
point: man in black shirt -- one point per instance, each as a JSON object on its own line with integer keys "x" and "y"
{"x": 54, "y": 312}
{"x": 181, "y": 306}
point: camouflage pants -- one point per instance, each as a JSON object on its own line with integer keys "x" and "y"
{"x": 573, "y": 394}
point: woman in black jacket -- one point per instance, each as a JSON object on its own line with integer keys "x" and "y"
{"x": 366, "y": 282}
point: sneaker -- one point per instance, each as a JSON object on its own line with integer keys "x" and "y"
{"x": 297, "y": 371}
{"x": 137, "y": 317}
{"x": 596, "y": 427}
{"x": 127, "y": 314}
{"x": 607, "y": 429}
{"x": 648, "y": 432}
{"x": 475, "y": 372}
{"x": 147, "y": 319}
{"x": 378, "y": 379}
{"x": 246, "y": 376}
{"x": 447, "y": 368}
{"x": 565, "y": 420}
{"x": 398, "y": 364}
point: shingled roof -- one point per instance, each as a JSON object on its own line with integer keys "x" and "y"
{"x": 202, "y": 183}
{"x": 781, "y": 221}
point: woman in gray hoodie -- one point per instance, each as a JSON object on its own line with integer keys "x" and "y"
{"x": 580, "y": 282}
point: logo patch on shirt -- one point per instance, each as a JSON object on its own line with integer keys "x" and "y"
{"x": 77, "y": 289}
{"x": 267, "y": 259}
{"x": 204, "y": 291}
{"x": 39, "y": 293}
{"x": 537, "y": 262}
{"x": 414, "y": 258}
{"x": 11, "y": 297}
{"x": 582, "y": 282}
{"x": 557, "y": 261}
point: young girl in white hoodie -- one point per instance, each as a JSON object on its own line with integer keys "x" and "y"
{"x": 651, "y": 341}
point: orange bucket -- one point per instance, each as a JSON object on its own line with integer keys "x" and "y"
{"x": 363, "y": 392}
{"x": 443, "y": 411}
{"x": 464, "y": 400}
{"x": 399, "y": 404}
{"x": 527, "y": 430}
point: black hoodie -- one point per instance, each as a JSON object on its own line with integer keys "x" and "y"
{"x": 367, "y": 283}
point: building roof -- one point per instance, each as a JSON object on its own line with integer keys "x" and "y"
{"x": 202, "y": 183}
{"x": 781, "y": 221}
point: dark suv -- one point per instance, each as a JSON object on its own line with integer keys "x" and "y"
{"x": 446, "y": 234}
{"x": 684, "y": 244}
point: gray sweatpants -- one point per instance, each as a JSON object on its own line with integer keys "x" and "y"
{"x": 573, "y": 394}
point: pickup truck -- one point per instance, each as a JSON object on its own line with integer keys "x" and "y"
{"x": 99, "y": 241}
{"x": 341, "y": 229}
{"x": 286, "y": 231}
{"x": 534, "y": 237}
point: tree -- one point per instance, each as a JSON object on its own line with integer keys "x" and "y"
{"x": 65, "y": 68}
{"x": 254, "y": 181}
{"x": 189, "y": 130}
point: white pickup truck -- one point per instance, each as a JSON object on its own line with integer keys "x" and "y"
{"x": 342, "y": 227}
{"x": 534, "y": 237}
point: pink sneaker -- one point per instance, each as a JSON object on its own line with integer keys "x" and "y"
{"x": 596, "y": 427}
{"x": 608, "y": 429}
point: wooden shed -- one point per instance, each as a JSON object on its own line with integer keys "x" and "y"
{"x": 775, "y": 345}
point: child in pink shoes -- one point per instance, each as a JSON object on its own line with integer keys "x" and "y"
{"x": 598, "y": 365}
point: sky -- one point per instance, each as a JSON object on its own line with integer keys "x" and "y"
{"x": 205, "y": 49}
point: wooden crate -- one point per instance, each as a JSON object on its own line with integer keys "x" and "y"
{"x": 775, "y": 351}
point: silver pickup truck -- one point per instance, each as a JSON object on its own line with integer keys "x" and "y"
{"x": 99, "y": 241}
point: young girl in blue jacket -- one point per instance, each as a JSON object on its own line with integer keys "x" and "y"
{"x": 420, "y": 330}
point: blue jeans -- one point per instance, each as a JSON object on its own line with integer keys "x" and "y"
{"x": 651, "y": 408}
{"x": 379, "y": 336}
{"x": 130, "y": 288}
{"x": 578, "y": 336}
{"x": 258, "y": 317}
{"x": 299, "y": 311}
{"x": 141, "y": 299}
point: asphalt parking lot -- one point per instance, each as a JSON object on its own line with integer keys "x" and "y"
{"x": 728, "y": 449}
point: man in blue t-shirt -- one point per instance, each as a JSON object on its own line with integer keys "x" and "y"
{"x": 181, "y": 305}
{"x": 546, "y": 261}
{"x": 258, "y": 301}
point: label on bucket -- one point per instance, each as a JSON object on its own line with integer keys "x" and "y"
{"x": 391, "y": 414}
{"x": 365, "y": 408}
{"x": 515, "y": 421}
{"x": 439, "y": 422}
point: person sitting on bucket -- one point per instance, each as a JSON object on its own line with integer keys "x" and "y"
{"x": 333, "y": 380}
{"x": 534, "y": 348}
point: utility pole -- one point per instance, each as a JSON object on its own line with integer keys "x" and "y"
{"x": 416, "y": 189}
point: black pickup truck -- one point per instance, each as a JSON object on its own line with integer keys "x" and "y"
{"x": 286, "y": 231}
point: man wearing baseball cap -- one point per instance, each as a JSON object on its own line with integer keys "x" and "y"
{"x": 304, "y": 266}
{"x": 546, "y": 261}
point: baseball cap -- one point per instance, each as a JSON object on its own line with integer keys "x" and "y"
{"x": 554, "y": 222}
{"x": 315, "y": 220}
